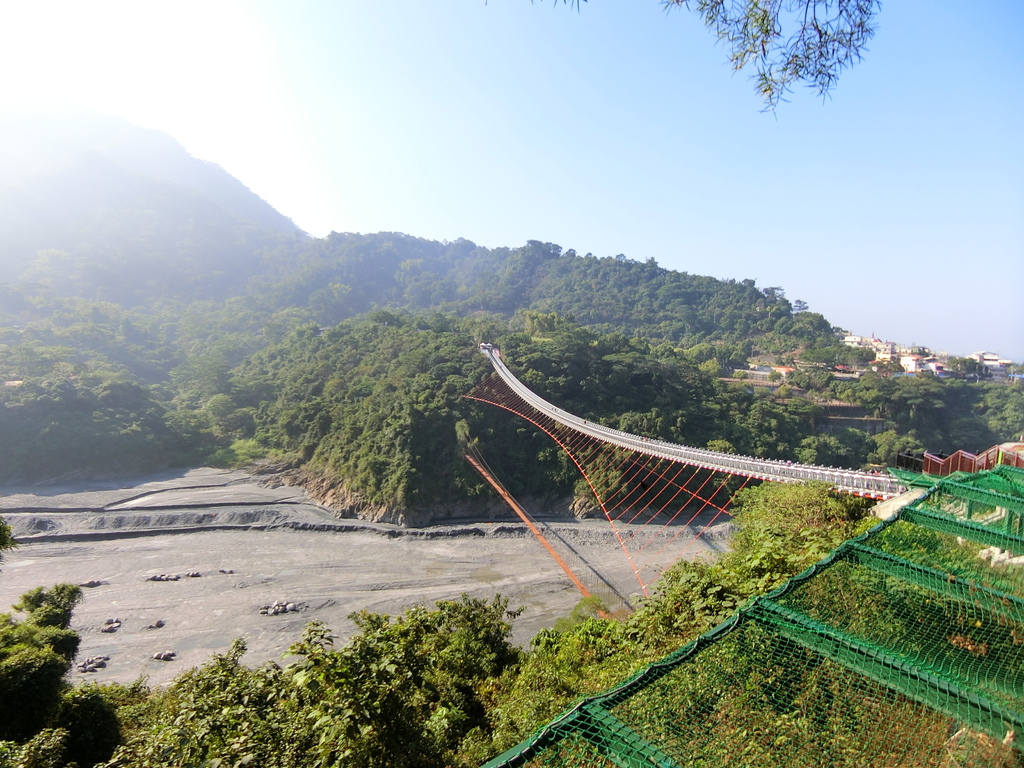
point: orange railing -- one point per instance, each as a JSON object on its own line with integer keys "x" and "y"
{"x": 962, "y": 461}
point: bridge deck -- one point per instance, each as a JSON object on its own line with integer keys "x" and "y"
{"x": 843, "y": 480}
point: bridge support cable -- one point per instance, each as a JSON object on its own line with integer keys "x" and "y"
{"x": 609, "y": 596}
{"x": 578, "y": 447}
{"x": 644, "y": 497}
{"x": 685, "y": 551}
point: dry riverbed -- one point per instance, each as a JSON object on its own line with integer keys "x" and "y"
{"x": 249, "y": 547}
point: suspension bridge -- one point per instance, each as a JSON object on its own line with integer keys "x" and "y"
{"x": 843, "y": 480}
{"x": 659, "y": 497}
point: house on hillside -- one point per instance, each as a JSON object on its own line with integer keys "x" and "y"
{"x": 996, "y": 365}
{"x": 936, "y": 366}
{"x": 911, "y": 363}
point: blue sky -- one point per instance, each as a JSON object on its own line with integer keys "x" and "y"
{"x": 895, "y": 207}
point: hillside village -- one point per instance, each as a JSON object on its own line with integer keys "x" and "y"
{"x": 804, "y": 375}
{"x": 915, "y": 359}
{"x": 893, "y": 358}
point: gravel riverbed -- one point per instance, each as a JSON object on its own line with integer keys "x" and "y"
{"x": 248, "y": 547}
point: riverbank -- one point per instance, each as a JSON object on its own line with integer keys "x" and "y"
{"x": 253, "y": 546}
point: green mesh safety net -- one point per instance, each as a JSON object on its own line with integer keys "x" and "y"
{"x": 904, "y": 647}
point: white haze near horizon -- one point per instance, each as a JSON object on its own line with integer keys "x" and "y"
{"x": 896, "y": 208}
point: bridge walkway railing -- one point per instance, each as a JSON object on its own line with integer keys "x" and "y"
{"x": 844, "y": 480}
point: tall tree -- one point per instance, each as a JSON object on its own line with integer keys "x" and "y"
{"x": 789, "y": 41}
{"x": 6, "y": 539}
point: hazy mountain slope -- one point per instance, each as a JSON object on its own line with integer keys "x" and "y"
{"x": 108, "y": 211}
{"x": 35, "y": 143}
{"x": 92, "y": 229}
{"x": 91, "y": 206}
{"x": 156, "y": 154}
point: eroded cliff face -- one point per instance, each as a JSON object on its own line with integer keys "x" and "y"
{"x": 584, "y": 507}
{"x": 330, "y": 491}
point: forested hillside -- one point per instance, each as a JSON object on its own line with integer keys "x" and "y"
{"x": 346, "y": 274}
{"x": 152, "y": 313}
{"x": 373, "y": 409}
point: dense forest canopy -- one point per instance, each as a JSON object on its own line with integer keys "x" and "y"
{"x": 375, "y": 402}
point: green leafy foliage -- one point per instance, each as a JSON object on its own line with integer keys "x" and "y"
{"x": 810, "y": 42}
{"x": 45, "y": 749}
{"x": 943, "y": 415}
{"x": 220, "y": 714}
{"x": 412, "y": 688}
{"x": 50, "y": 607}
{"x": 31, "y": 679}
{"x": 781, "y": 530}
{"x": 46, "y": 721}
{"x": 404, "y": 692}
{"x": 786, "y": 527}
{"x": 374, "y": 403}
{"x": 6, "y": 539}
{"x": 88, "y": 715}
